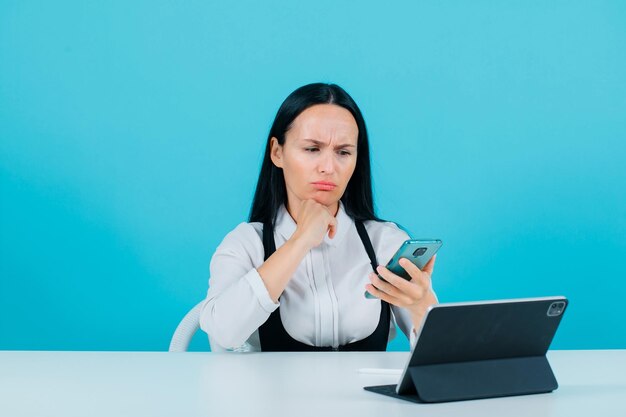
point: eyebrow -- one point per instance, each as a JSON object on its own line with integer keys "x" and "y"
{"x": 320, "y": 143}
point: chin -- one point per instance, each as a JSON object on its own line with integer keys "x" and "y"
{"x": 326, "y": 199}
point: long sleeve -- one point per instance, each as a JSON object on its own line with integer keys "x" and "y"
{"x": 237, "y": 300}
{"x": 403, "y": 318}
{"x": 323, "y": 303}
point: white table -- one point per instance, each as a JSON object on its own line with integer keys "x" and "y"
{"x": 118, "y": 384}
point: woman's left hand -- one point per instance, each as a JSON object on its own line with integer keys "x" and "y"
{"x": 415, "y": 295}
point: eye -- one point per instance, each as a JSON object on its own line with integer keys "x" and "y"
{"x": 311, "y": 149}
{"x": 344, "y": 153}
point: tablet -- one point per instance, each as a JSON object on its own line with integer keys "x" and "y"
{"x": 481, "y": 350}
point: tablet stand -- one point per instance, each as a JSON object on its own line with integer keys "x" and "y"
{"x": 483, "y": 379}
{"x": 485, "y": 349}
{"x": 478, "y": 379}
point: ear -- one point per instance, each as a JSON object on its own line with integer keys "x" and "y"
{"x": 276, "y": 152}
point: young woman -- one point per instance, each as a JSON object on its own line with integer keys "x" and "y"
{"x": 293, "y": 278}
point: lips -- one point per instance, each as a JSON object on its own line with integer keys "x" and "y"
{"x": 324, "y": 185}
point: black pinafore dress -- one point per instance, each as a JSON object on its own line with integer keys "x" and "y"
{"x": 274, "y": 337}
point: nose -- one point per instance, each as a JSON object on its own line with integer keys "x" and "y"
{"x": 327, "y": 163}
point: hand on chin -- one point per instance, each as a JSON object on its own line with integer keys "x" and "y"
{"x": 327, "y": 201}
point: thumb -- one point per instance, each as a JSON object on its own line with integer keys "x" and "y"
{"x": 332, "y": 228}
{"x": 430, "y": 265}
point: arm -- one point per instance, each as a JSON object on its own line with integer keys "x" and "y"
{"x": 314, "y": 221}
{"x": 280, "y": 267}
{"x": 404, "y": 320}
{"x": 243, "y": 289}
{"x": 237, "y": 301}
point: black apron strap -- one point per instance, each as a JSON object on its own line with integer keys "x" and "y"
{"x": 269, "y": 244}
{"x": 272, "y": 333}
{"x": 360, "y": 228}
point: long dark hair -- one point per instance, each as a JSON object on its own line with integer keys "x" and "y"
{"x": 271, "y": 191}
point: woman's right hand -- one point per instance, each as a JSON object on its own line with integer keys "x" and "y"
{"x": 314, "y": 221}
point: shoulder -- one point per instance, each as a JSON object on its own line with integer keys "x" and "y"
{"x": 246, "y": 238}
{"x": 239, "y": 252}
{"x": 386, "y": 238}
{"x": 383, "y": 230}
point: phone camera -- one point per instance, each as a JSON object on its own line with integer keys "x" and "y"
{"x": 556, "y": 309}
{"x": 419, "y": 252}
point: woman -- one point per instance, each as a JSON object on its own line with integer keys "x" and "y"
{"x": 293, "y": 278}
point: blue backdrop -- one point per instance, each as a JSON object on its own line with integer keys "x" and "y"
{"x": 131, "y": 136}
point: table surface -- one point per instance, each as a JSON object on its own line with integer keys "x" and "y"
{"x": 35, "y": 383}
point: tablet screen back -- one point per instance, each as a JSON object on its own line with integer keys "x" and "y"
{"x": 463, "y": 332}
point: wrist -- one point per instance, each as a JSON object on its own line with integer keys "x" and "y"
{"x": 298, "y": 245}
{"x": 419, "y": 310}
{"x": 417, "y": 320}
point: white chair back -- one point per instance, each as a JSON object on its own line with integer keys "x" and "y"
{"x": 187, "y": 327}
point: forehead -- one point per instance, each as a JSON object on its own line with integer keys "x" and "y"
{"x": 325, "y": 122}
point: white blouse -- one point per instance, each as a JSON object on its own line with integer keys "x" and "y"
{"x": 322, "y": 305}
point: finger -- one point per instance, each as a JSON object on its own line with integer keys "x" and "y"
{"x": 418, "y": 277}
{"x": 391, "y": 290}
{"x": 421, "y": 277}
{"x": 384, "y": 286}
{"x": 430, "y": 265}
{"x": 383, "y": 295}
{"x": 412, "y": 290}
{"x": 412, "y": 269}
{"x": 332, "y": 228}
{"x": 395, "y": 280}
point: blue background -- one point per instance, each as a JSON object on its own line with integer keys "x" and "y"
{"x": 131, "y": 135}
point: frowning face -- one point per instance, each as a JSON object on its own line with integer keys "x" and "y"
{"x": 319, "y": 155}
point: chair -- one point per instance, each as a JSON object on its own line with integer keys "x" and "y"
{"x": 187, "y": 327}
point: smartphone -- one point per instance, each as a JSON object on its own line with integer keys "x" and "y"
{"x": 418, "y": 251}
